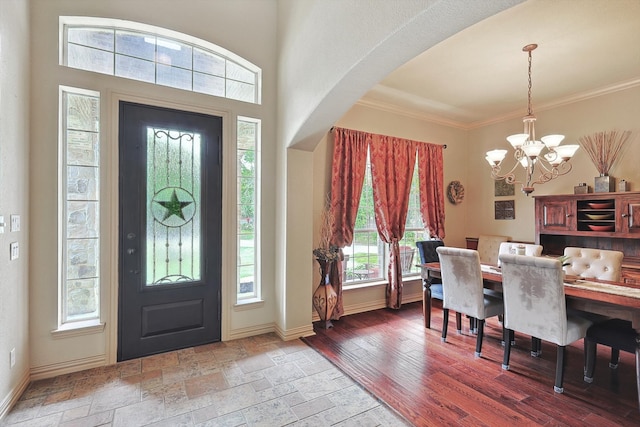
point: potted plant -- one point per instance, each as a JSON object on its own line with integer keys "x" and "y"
{"x": 604, "y": 149}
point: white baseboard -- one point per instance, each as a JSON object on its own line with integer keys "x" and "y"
{"x": 293, "y": 334}
{"x": 15, "y": 393}
{"x": 55, "y": 369}
{"x": 249, "y": 332}
{"x": 372, "y": 305}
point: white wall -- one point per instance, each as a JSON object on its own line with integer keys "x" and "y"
{"x": 617, "y": 110}
{"x": 215, "y": 21}
{"x": 14, "y": 196}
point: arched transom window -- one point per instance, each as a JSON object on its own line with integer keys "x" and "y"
{"x": 156, "y": 55}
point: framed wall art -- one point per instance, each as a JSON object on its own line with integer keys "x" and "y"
{"x": 505, "y": 209}
{"x": 503, "y": 189}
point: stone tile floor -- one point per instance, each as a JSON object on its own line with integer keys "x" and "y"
{"x": 256, "y": 381}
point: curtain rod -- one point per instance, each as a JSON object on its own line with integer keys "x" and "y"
{"x": 333, "y": 127}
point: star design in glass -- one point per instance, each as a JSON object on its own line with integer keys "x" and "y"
{"x": 174, "y": 206}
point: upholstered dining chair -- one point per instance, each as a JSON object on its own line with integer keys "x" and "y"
{"x": 513, "y": 247}
{"x": 462, "y": 290}
{"x": 534, "y": 304}
{"x": 530, "y": 249}
{"x": 591, "y": 263}
{"x": 489, "y": 247}
{"x": 617, "y": 334}
{"x": 433, "y": 290}
{"x": 614, "y": 333}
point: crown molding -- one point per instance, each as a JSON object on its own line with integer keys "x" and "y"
{"x": 432, "y": 118}
{"x": 410, "y": 112}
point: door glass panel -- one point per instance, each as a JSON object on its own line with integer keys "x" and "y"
{"x": 173, "y": 246}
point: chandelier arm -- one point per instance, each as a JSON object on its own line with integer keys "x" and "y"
{"x": 563, "y": 168}
{"x": 545, "y": 166}
{"x": 559, "y": 170}
{"x": 509, "y": 177}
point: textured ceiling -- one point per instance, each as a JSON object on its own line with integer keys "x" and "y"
{"x": 479, "y": 76}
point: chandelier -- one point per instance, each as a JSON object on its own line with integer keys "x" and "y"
{"x": 529, "y": 155}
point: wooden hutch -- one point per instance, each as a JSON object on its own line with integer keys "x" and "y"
{"x": 592, "y": 220}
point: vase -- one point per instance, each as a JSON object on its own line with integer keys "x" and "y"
{"x": 325, "y": 297}
{"x": 604, "y": 184}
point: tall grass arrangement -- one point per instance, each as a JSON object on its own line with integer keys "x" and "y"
{"x": 605, "y": 148}
{"x": 325, "y": 250}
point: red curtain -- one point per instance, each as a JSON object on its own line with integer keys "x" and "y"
{"x": 392, "y": 164}
{"x": 392, "y": 161}
{"x": 347, "y": 178}
{"x": 430, "y": 174}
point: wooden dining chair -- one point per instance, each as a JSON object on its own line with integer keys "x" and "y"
{"x": 617, "y": 334}
{"x": 534, "y": 304}
{"x": 463, "y": 291}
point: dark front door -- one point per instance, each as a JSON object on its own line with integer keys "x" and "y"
{"x": 170, "y": 195}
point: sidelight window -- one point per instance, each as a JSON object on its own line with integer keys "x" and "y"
{"x": 80, "y": 190}
{"x": 247, "y": 170}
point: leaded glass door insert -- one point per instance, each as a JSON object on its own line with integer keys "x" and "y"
{"x": 173, "y": 203}
{"x": 170, "y": 229}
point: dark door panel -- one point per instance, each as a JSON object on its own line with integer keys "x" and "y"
{"x": 170, "y": 229}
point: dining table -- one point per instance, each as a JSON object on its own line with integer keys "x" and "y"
{"x": 611, "y": 299}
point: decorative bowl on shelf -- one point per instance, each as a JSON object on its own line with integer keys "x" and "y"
{"x": 594, "y": 227}
{"x": 599, "y": 217}
{"x": 600, "y": 205}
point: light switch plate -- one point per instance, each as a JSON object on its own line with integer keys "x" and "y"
{"x": 15, "y": 223}
{"x": 14, "y": 251}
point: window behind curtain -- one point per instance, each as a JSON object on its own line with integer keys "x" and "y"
{"x": 368, "y": 257}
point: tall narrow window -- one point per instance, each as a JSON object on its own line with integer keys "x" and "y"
{"x": 414, "y": 230}
{"x": 247, "y": 166}
{"x": 80, "y": 197}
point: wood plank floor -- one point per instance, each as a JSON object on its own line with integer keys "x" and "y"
{"x": 431, "y": 383}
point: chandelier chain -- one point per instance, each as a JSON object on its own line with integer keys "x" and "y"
{"x": 529, "y": 109}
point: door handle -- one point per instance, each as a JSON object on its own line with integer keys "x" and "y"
{"x": 624, "y": 215}
{"x": 131, "y": 251}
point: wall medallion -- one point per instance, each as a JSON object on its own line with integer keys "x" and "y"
{"x": 455, "y": 192}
